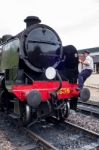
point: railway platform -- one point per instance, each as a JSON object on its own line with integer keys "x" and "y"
{"x": 93, "y": 81}
{"x": 93, "y": 84}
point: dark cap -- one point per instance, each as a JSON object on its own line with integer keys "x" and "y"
{"x": 86, "y": 52}
{"x": 31, "y": 20}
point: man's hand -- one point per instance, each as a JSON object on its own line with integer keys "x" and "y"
{"x": 80, "y": 61}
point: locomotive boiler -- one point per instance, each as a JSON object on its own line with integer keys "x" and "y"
{"x": 38, "y": 75}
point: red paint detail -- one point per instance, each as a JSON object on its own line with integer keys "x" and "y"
{"x": 45, "y": 88}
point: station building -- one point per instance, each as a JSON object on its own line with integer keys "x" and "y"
{"x": 94, "y": 52}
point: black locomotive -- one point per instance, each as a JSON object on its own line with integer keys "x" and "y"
{"x": 38, "y": 75}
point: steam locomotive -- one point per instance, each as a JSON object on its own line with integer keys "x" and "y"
{"x": 38, "y": 75}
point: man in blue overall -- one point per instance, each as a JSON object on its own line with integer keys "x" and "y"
{"x": 87, "y": 69}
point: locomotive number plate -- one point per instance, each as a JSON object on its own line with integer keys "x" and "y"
{"x": 64, "y": 91}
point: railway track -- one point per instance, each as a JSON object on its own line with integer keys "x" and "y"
{"x": 53, "y": 135}
{"x": 60, "y": 136}
{"x": 45, "y": 144}
{"x": 20, "y": 137}
{"x": 88, "y": 108}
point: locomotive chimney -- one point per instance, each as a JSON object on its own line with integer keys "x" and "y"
{"x": 30, "y": 20}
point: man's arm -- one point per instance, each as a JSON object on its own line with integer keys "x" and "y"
{"x": 86, "y": 62}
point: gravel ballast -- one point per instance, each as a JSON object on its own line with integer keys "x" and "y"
{"x": 65, "y": 137}
{"x": 86, "y": 121}
{"x": 61, "y": 136}
{"x": 12, "y": 138}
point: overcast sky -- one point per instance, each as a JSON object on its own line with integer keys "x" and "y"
{"x": 76, "y": 21}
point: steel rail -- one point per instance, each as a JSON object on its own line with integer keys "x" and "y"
{"x": 45, "y": 144}
{"x": 77, "y": 127}
{"x": 88, "y": 108}
{"x": 83, "y": 129}
{"x": 88, "y": 104}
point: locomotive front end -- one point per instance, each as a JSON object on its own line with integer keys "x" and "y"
{"x": 34, "y": 82}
